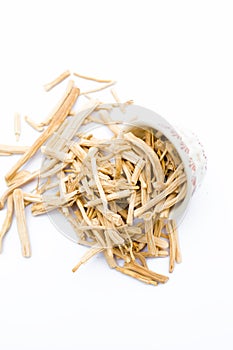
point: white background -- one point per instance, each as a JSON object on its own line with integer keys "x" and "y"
{"x": 175, "y": 57}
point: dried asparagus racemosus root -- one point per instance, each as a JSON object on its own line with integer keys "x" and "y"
{"x": 116, "y": 186}
{"x": 21, "y": 222}
{"x": 17, "y": 126}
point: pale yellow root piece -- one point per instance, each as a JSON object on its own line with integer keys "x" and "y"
{"x": 49, "y": 118}
{"x": 148, "y": 137}
{"x": 172, "y": 243}
{"x": 33, "y": 124}
{"x": 136, "y": 275}
{"x": 92, "y": 79}
{"x": 17, "y": 126}
{"x": 88, "y": 255}
{"x": 159, "y": 253}
{"x": 32, "y": 198}
{"x": 8, "y": 220}
{"x": 9, "y": 150}
{"x": 105, "y": 86}
{"x": 21, "y": 175}
{"x": 21, "y": 222}
{"x": 15, "y": 185}
{"x": 57, "y": 81}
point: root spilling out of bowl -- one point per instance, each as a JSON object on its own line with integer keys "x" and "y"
{"x": 117, "y": 192}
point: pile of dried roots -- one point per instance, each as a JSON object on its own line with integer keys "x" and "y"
{"x": 116, "y": 192}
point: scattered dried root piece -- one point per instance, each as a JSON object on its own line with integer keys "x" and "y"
{"x": 33, "y": 124}
{"x": 21, "y": 222}
{"x": 8, "y": 219}
{"x": 32, "y": 198}
{"x": 159, "y": 254}
{"x": 9, "y": 150}
{"x": 49, "y": 118}
{"x": 105, "y": 86}
{"x": 20, "y": 176}
{"x": 87, "y": 256}
{"x": 15, "y": 185}
{"x": 56, "y": 81}
{"x": 17, "y": 126}
{"x": 91, "y": 78}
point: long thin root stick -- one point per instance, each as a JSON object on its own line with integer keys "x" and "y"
{"x": 87, "y": 256}
{"x": 17, "y": 126}
{"x": 56, "y": 81}
{"x": 8, "y": 219}
{"x": 21, "y": 222}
